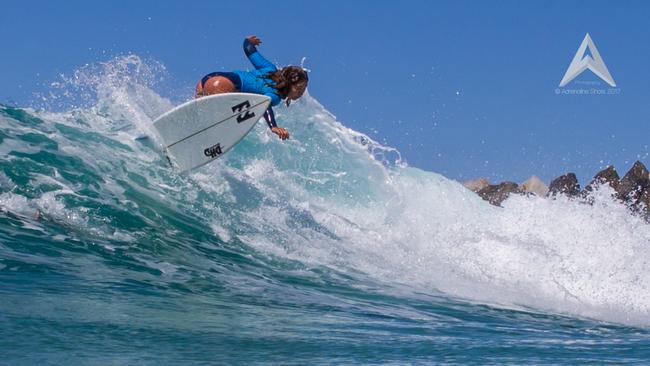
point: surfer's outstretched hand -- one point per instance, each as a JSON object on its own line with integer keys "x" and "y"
{"x": 254, "y": 40}
{"x": 282, "y": 133}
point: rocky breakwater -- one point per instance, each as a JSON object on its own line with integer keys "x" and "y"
{"x": 633, "y": 189}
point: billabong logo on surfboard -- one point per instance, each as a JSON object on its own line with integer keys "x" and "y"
{"x": 584, "y": 60}
{"x": 213, "y": 151}
{"x": 243, "y": 107}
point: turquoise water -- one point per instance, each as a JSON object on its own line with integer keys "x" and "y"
{"x": 326, "y": 249}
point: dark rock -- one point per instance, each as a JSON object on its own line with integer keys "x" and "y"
{"x": 566, "y": 184}
{"x": 608, "y": 176}
{"x": 497, "y": 193}
{"x": 634, "y": 183}
{"x": 643, "y": 205}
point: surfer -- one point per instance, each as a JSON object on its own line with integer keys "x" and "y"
{"x": 288, "y": 83}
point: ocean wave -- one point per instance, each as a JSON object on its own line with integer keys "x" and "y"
{"x": 329, "y": 199}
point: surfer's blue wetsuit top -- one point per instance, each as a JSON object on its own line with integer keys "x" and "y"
{"x": 254, "y": 81}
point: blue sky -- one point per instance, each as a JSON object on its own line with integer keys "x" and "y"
{"x": 462, "y": 88}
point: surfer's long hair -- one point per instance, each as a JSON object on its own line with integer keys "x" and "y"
{"x": 289, "y": 81}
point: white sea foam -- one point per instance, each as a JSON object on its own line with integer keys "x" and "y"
{"x": 405, "y": 225}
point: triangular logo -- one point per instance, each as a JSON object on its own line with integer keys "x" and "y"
{"x": 587, "y": 57}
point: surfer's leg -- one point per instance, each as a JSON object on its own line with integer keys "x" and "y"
{"x": 199, "y": 90}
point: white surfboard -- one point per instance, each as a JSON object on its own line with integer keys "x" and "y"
{"x": 201, "y": 130}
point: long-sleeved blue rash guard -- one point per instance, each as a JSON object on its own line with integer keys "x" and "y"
{"x": 254, "y": 81}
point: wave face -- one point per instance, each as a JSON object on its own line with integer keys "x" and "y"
{"x": 326, "y": 248}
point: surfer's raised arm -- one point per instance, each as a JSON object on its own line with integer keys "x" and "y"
{"x": 255, "y": 56}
